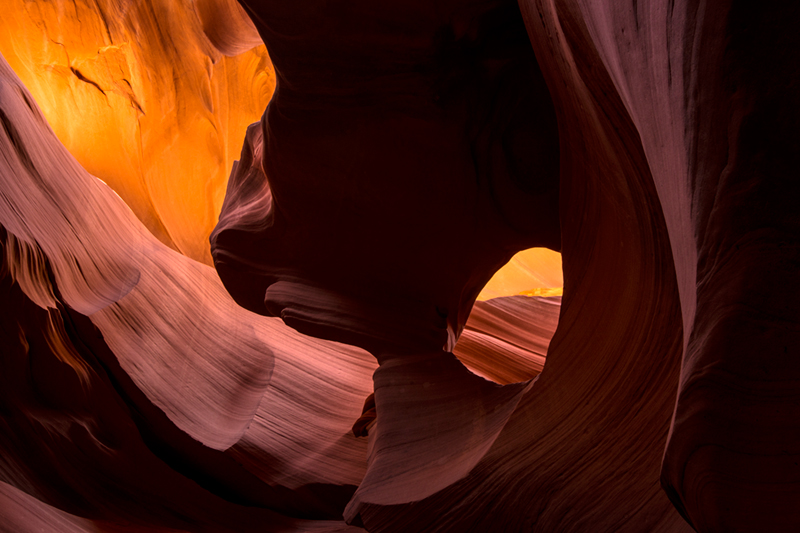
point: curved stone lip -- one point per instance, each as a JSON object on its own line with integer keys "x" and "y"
{"x": 404, "y": 467}
{"x": 323, "y": 313}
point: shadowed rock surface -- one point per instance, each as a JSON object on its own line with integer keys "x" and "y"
{"x": 407, "y": 153}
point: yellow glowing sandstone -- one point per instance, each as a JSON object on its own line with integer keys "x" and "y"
{"x": 533, "y": 272}
{"x": 154, "y": 97}
{"x": 145, "y": 97}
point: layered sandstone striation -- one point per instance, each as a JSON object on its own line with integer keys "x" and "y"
{"x": 411, "y": 139}
{"x": 152, "y": 97}
{"x": 713, "y": 92}
{"x": 407, "y": 153}
{"x": 134, "y": 389}
{"x": 444, "y": 439}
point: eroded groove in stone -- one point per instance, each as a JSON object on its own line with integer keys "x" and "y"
{"x": 408, "y": 152}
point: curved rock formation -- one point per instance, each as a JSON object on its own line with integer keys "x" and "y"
{"x": 634, "y": 140}
{"x": 506, "y": 339}
{"x": 480, "y": 442}
{"x": 407, "y": 153}
{"x": 414, "y": 137}
{"x": 713, "y": 92}
{"x": 134, "y": 389}
{"x": 152, "y": 97}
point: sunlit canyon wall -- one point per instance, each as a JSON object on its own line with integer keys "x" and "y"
{"x": 152, "y": 97}
{"x": 407, "y": 153}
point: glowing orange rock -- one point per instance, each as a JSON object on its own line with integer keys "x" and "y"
{"x": 680, "y": 242}
{"x": 535, "y": 272}
{"x": 133, "y": 388}
{"x": 151, "y": 98}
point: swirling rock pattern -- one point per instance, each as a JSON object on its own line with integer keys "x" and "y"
{"x": 713, "y": 91}
{"x": 506, "y": 339}
{"x": 638, "y": 91}
{"x": 407, "y": 153}
{"x": 152, "y": 97}
{"x": 413, "y": 124}
{"x": 134, "y": 389}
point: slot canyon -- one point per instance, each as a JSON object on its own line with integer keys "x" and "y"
{"x": 421, "y": 266}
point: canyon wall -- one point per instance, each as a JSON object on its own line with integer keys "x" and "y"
{"x": 341, "y": 369}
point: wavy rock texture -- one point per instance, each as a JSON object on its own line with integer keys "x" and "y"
{"x": 506, "y": 339}
{"x": 134, "y": 389}
{"x": 407, "y": 153}
{"x": 22, "y": 513}
{"x": 630, "y": 84}
{"x": 726, "y": 74}
{"x": 387, "y": 133}
{"x": 152, "y": 97}
{"x": 599, "y": 413}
